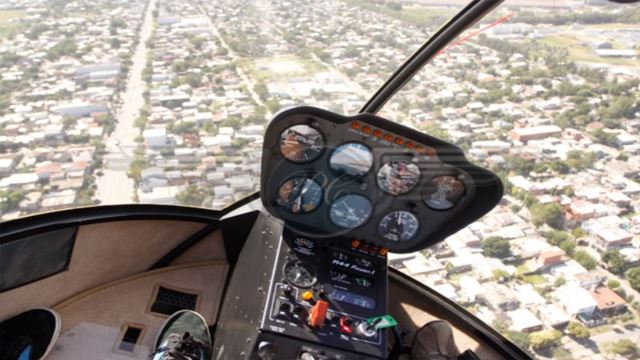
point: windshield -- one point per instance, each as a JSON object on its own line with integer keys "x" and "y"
{"x": 113, "y": 102}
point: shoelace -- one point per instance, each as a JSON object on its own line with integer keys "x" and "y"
{"x": 186, "y": 349}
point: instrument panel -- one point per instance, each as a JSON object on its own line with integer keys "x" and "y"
{"x": 369, "y": 178}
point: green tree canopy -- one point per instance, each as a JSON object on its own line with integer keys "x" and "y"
{"x": 550, "y": 214}
{"x": 496, "y": 246}
{"x": 577, "y": 330}
{"x": 584, "y": 259}
{"x": 615, "y": 261}
{"x": 192, "y": 195}
{"x": 624, "y": 347}
{"x": 633, "y": 277}
{"x": 541, "y": 340}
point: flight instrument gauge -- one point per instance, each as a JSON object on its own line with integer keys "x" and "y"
{"x": 299, "y": 195}
{"x": 299, "y": 274}
{"x": 443, "y": 192}
{"x": 398, "y": 177}
{"x": 352, "y": 159}
{"x": 301, "y": 143}
{"x": 350, "y": 211}
{"x": 398, "y": 225}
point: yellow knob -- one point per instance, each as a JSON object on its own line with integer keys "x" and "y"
{"x": 307, "y": 295}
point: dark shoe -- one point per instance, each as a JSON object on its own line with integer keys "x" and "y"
{"x": 184, "y": 336}
{"x": 30, "y": 335}
{"x": 434, "y": 341}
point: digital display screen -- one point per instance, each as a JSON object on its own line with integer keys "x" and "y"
{"x": 353, "y": 299}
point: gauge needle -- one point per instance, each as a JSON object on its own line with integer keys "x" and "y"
{"x": 350, "y": 210}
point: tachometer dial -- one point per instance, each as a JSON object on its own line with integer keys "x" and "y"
{"x": 301, "y": 143}
{"x": 352, "y": 159}
{"x": 398, "y": 225}
{"x": 299, "y": 274}
{"x": 350, "y": 211}
{"x": 398, "y": 177}
{"x": 299, "y": 195}
{"x": 443, "y": 192}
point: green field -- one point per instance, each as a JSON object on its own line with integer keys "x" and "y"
{"x": 579, "y": 49}
{"x": 418, "y": 15}
{"x": 280, "y": 67}
{"x": 8, "y": 23}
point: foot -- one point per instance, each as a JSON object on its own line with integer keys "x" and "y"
{"x": 29, "y": 335}
{"x": 184, "y": 336}
{"x": 434, "y": 341}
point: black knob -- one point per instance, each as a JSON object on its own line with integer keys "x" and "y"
{"x": 266, "y": 350}
{"x": 286, "y": 289}
{"x": 300, "y": 313}
{"x": 284, "y": 310}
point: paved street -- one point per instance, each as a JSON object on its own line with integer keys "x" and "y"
{"x": 114, "y": 186}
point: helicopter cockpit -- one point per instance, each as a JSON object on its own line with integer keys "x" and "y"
{"x": 161, "y": 157}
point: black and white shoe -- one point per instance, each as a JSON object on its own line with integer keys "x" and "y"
{"x": 30, "y": 335}
{"x": 184, "y": 336}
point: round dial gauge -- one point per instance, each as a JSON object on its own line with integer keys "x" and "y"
{"x": 350, "y": 211}
{"x": 398, "y": 225}
{"x": 352, "y": 159}
{"x": 443, "y": 192}
{"x": 301, "y": 143}
{"x": 299, "y": 195}
{"x": 299, "y": 274}
{"x": 398, "y": 177}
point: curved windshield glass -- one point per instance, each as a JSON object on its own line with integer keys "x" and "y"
{"x": 546, "y": 97}
{"x": 165, "y": 102}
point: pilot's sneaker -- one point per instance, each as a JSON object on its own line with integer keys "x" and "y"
{"x": 434, "y": 341}
{"x": 29, "y": 335}
{"x": 184, "y": 336}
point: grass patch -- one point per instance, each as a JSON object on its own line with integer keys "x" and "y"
{"x": 534, "y": 279}
{"x": 280, "y": 67}
{"x": 417, "y": 15}
{"x": 9, "y": 23}
{"x": 580, "y": 50}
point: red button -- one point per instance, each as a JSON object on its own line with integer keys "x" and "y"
{"x": 318, "y": 313}
{"x": 345, "y": 325}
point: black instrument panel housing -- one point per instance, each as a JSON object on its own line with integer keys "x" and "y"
{"x": 483, "y": 188}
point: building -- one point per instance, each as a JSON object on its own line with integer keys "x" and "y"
{"x": 578, "y": 303}
{"x": 498, "y": 297}
{"x": 612, "y": 238}
{"x": 524, "y": 135}
{"x": 524, "y": 320}
{"x": 609, "y": 302}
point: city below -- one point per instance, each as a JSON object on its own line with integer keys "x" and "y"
{"x": 166, "y": 102}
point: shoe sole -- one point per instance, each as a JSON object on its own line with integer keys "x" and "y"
{"x": 170, "y": 318}
{"x": 56, "y": 332}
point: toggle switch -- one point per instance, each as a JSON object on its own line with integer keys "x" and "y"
{"x": 318, "y": 313}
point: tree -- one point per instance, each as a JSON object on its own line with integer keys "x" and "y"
{"x": 613, "y": 284}
{"x": 556, "y": 237}
{"x": 10, "y": 199}
{"x": 519, "y": 338}
{"x": 496, "y": 246}
{"x": 624, "y": 347}
{"x": 633, "y": 277}
{"x": 616, "y": 262}
{"x": 550, "y": 214}
{"x": 578, "y": 331}
{"x": 584, "y": 259}
{"x": 192, "y": 195}
{"x": 542, "y": 340}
